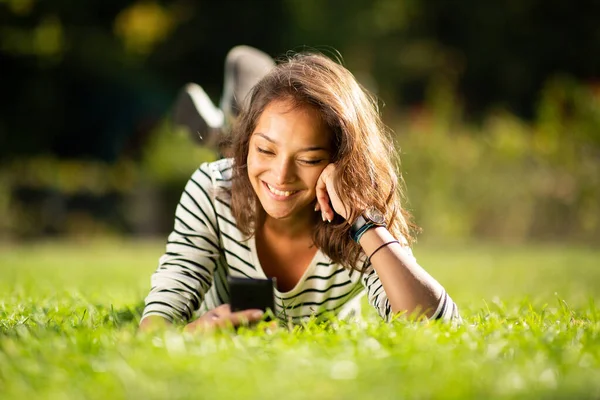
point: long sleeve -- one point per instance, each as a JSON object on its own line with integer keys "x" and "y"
{"x": 377, "y": 297}
{"x": 185, "y": 271}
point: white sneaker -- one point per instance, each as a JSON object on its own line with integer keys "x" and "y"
{"x": 244, "y": 67}
{"x": 194, "y": 111}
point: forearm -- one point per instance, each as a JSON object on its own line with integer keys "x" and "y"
{"x": 408, "y": 286}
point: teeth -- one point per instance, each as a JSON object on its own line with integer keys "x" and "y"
{"x": 279, "y": 192}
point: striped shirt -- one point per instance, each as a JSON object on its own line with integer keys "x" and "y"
{"x": 206, "y": 246}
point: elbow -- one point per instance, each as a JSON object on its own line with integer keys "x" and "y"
{"x": 443, "y": 309}
{"x": 446, "y": 310}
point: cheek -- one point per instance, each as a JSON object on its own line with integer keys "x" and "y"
{"x": 258, "y": 169}
{"x": 312, "y": 177}
{"x": 254, "y": 164}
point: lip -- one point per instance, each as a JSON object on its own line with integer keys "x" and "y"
{"x": 276, "y": 196}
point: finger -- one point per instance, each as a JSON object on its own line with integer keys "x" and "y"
{"x": 335, "y": 201}
{"x": 222, "y": 310}
{"x": 323, "y": 195}
{"x": 241, "y": 318}
{"x": 203, "y": 324}
{"x": 325, "y": 205}
{"x": 328, "y": 178}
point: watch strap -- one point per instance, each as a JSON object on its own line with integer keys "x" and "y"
{"x": 360, "y": 225}
{"x": 362, "y": 231}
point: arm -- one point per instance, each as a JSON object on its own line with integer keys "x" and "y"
{"x": 220, "y": 317}
{"x": 407, "y": 286}
{"x": 153, "y": 322}
{"x": 185, "y": 270}
{"x": 394, "y": 281}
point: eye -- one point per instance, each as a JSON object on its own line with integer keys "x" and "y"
{"x": 311, "y": 162}
{"x": 264, "y": 151}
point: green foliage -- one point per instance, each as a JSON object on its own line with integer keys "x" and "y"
{"x": 506, "y": 178}
{"x": 107, "y": 69}
{"x": 45, "y": 194}
{"x": 69, "y": 312}
{"x": 171, "y": 155}
{"x": 35, "y": 194}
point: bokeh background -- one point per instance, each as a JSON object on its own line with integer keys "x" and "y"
{"x": 495, "y": 107}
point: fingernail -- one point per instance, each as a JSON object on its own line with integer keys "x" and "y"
{"x": 323, "y": 217}
{"x": 316, "y": 205}
{"x": 328, "y": 220}
{"x": 257, "y": 314}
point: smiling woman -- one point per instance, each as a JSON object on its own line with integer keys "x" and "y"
{"x": 288, "y": 151}
{"x": 311, "y": 198}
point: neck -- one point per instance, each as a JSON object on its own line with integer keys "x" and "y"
{"x": 292, "y": 228}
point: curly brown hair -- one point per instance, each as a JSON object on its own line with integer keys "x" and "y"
{"x": 363, "y": 151}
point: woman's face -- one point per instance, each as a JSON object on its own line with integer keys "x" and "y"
{"x": 289, "y": 149}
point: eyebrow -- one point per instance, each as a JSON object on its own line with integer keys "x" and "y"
{"x": 311, "y": 148}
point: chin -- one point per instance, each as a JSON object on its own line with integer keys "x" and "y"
{"x": 286, "y": 213}
{"x": 278, "y": 214}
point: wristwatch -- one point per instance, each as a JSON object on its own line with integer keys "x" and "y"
{"x": 370, "y": 218}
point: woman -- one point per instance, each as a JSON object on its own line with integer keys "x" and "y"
{"x": 311, "y": 198}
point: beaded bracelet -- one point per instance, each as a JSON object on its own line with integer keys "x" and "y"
{"x": 381, "y": 247}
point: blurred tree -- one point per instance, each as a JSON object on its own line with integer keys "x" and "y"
{"x": 511, "y": 48}
{"x": 89, "y": 79}
{"x": 497, "y": 52}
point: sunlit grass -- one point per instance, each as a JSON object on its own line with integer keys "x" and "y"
{"x": 69, "y": 312}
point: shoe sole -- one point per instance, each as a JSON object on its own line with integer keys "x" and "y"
{"x": 194, "y": 111}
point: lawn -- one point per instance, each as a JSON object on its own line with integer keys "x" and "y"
{"x": 69, "y": 311}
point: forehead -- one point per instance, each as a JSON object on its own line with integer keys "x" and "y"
{"x": 287, "y": 123}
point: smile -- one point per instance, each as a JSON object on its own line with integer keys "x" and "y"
{"x": 286, "y": 193}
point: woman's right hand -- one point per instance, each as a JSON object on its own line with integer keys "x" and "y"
{"x": 222, "y": 317}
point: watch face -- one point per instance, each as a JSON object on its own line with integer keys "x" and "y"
{"x": 375, "y": 215}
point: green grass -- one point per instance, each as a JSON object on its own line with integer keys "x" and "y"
{"x": 69, "y": 312}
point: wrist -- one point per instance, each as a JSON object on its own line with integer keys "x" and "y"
{"x": 367, "y": 220}
{"x": 359, "y": 234}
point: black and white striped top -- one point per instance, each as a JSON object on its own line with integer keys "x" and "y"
{"x": 206, "y": 246}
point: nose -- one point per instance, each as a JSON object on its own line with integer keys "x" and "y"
{"x": 284, "y": 171}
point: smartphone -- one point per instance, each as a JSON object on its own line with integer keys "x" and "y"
{"x": 245, "y": 293}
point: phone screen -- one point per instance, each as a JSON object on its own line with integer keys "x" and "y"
{"x": 245, "y": 293}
